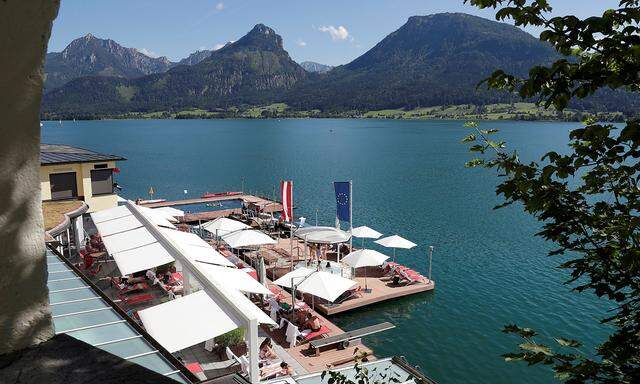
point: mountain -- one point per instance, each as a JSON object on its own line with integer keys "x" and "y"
{"x": 431, "y": 60}
{"x": 314, "y": 67}
{"x": 91, "y": 56}
{"x": 195, "y": 57}
{"x": 253, "y": 70}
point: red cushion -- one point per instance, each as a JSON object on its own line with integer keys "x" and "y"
{"x": 194, "y": 367}
{"x": 323, "y": 330}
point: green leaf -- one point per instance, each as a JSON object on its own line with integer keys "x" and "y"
{"x": 536, "y": 348}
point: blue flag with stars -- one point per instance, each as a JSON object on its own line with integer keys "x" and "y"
{"x": 343, "y": 203}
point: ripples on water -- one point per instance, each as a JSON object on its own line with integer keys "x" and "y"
{"x": 408, "y": 179}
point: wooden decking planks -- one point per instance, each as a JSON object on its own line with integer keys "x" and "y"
{"x": 306, "y": 358}
{"x": 381, "y": 290}
{"x": 266, "y": 204}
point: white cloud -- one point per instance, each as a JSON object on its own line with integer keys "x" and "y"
{"x": 147, "y": 52}
{"x": 302, "y": 43}
{"x": 336, "y": 33}
{"x": 219, "y": 6}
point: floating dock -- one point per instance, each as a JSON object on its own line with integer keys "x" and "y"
{"x": 265, "y": 205}
{"x": 382, "y": 289}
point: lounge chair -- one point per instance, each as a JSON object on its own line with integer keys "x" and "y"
{"x": 343, "y": 339}
{"x": 350, "y": 294}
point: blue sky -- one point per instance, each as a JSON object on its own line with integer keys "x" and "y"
{"x": 326, "y": 31}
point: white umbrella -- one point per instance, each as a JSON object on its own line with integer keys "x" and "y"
{"x": 365, "y": 232}
{"x": 296, "y": 275}
{"x": 223, "y": 225}
{"x": 325, "y": 285}
{"x": 322, "y": 235}
{"x": 365, "y": 258}
{"x": 247, "y": 238}
{"x": 394, "y": 242}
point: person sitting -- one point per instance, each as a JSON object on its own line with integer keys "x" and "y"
{"x": 285, "y": 370}
{"x": 150, "y": 275}
{"x": 125, "y": 282}
{"x": 266, "y": 350}
{"x": 312, "y": 322}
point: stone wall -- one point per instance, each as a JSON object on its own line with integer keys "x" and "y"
{"x": 25, "y": 27}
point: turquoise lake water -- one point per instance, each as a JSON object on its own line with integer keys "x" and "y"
{"x": 408, "y": 178}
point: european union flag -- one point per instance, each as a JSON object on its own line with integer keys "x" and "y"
{"x": 343, "y": 200}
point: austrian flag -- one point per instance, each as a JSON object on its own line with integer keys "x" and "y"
{"x": 286, "y": 188}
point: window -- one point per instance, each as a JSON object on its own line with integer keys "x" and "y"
{"x": 63, "y": 186}
{"x": 102, "y": 181}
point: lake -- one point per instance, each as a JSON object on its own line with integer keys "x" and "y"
{"x": 408, "y": 179}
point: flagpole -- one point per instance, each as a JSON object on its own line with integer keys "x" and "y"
{"x": 291, "y": 227}
{"x": 351, "y": 215}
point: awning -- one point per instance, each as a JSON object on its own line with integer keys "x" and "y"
{"x": 223, "y": 226}
{"x": 322, "y": 235}
{"x": 196, "y": 249}
{"x": 120, "y": 219}
{"x": 247, "y": 238}
{"x": 186, "y": 321}
{"x": 125, "y": 241}
{"x": 174, "y": 212}
{"x": 297, "y": 275}
{"x": 325, "y": 285}
{"x": 233, "y": 278}
{"x": 131, "y": 245}
{"x": 142, "y": 258}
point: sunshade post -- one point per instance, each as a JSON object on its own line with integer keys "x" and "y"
{"x": 430, "y": 257}
{"x": 305, "y": 251}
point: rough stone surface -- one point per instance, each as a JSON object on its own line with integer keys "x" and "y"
{"x": 65, "y": 360}
{"x": 25, "y": 319}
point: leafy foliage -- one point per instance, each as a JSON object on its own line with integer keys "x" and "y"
{"x": 231, "y": 338}
{"x": 588, "y": 199}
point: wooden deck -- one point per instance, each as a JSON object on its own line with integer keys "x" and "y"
{"x": 265, "y": 205}
{"x": 382, "y": 289}
{"x": 331, "y": 357}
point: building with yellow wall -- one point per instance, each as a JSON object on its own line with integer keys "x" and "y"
{"x": 70, "y": 173}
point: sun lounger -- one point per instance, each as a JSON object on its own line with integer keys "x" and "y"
{"x": 136, "y": 299}
{"x": 315, "y": 334}
{"x": 131, "y": 288}
{"x": 343, "y": 339}
{"x": 350, "y": 294}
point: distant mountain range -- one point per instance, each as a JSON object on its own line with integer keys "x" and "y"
{"x": 314, "y": 67}
{"x": 430, "y": 61}
{"x": 92, "y": 56}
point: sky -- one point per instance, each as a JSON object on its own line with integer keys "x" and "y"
{"x": 327, "y": 31}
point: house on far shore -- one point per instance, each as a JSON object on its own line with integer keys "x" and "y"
{"x": 74, "y": 181}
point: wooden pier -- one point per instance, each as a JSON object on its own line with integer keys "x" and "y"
{"x": 382, "y": 289}
{"x": 265, "y": 205}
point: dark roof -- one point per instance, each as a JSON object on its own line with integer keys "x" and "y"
{"x": 66, "y": 154}
{"x": 66, "y": 360}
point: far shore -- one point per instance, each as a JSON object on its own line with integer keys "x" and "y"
{"x": 492, "y": 112}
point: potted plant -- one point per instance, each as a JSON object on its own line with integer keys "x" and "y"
{"x": 234, "y": 340}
